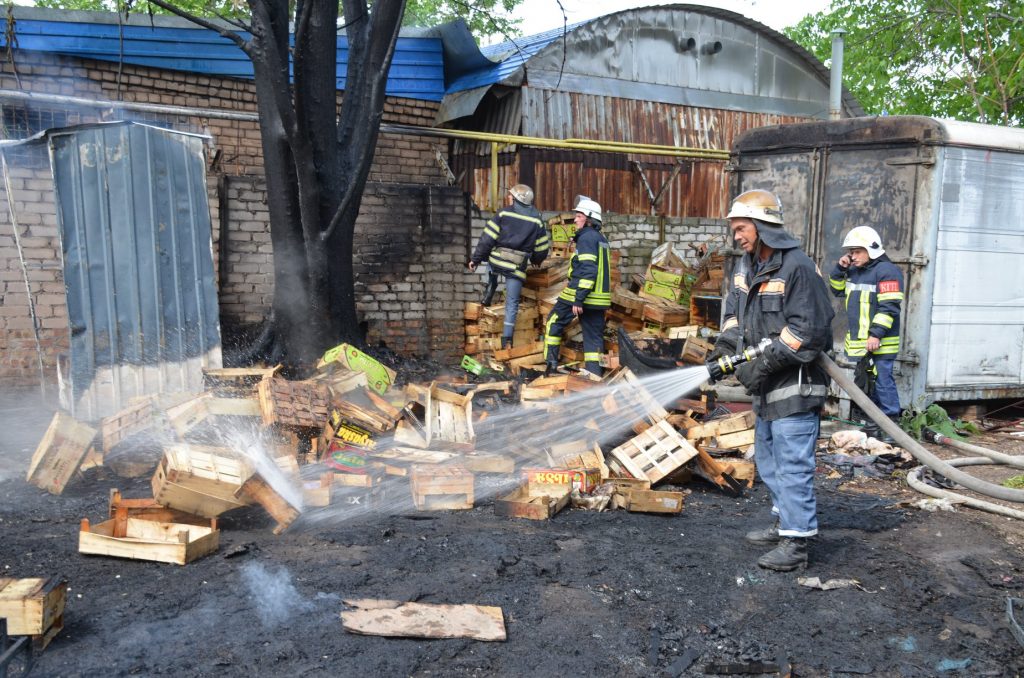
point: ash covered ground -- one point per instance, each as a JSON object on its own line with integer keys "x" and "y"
{"x": 609, "y": 594}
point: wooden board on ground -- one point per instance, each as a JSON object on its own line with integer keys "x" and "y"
{"x": 520, "y": 504}
{"x": 655, "y": 501}
{"x": 655, "y": 453}
{"x": 256, "y": 490}
{"x": 138, "y": 539}
{"x": 200, "y": 480}
{"x": 440, "y": 488}
{"x": 33, "y": 607}
{"x": 59, "y": 453}
{"x": 733, "y": 423}
{"x": 450, "y": 417}
{"x": 423, "y": 620}
{"x": 293, "y": 403}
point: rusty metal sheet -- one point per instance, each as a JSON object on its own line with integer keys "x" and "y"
{"x": 138, "y": 262}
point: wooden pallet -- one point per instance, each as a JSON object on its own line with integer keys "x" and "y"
{"x": 33, "y": 607}
{"x": 138, "y": 539}
{"x": 293, "y": 403}
{"x": 436, "y": 488}
{"x": 655, "y": 453}
{"x": 60, "y": 452}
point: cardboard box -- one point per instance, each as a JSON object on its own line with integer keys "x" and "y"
{"x": 553, "y": 481}
{"x": 673, "y": 277}
{"x": 653, "y": 289}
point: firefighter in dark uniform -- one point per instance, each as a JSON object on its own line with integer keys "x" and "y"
{"x": 588, "y": 293}
{"x": 512, "y": 240}
{"x": 873, "y": 288}
{"x": 778, "y": 293}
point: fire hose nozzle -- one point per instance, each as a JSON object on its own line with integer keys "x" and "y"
{"x": 727, "y": 364}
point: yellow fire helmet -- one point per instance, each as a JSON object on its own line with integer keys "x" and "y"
{"x": 522, "y": 193}
{"x": 757, "y": 204}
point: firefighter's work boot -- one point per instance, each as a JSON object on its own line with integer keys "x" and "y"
{"x": 789, "y": 555}
{"x": 764, "y": 536}
{"x": 552, "y": 368}
{"x": 506, "y": 342}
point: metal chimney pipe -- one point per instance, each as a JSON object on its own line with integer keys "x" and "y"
{"x": 835, "y": 93}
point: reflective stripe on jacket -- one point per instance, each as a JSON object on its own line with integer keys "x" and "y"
{"x": 589, "y": 271}
{"x": 873, "y": 297}
{"x": 787, "y": 301}
{"x": 515, "y": 229}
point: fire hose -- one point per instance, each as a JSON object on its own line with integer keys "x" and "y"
{"x": 945, "y": 468}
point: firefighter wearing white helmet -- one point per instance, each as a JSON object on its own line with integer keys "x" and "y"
{"x": 873, "y": 289}
{"x": 588, "y": 293}
{"x": 777, "y": 293}
{"x": 515, "y": 238}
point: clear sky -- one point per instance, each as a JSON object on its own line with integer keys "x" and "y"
{"x": 543, "y": 15}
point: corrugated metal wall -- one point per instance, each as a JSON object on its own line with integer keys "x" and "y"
{"x": 698, "y": 190}
{"x": 138, "y": 263}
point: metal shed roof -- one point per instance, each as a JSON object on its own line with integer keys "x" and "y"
{"x": 606, "y": 52}
{"x": 417, "y": 71}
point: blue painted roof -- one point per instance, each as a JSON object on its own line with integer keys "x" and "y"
{"x": 417, "y": 70}
{"x": 513, "y": 54}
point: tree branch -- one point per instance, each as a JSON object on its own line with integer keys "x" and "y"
{"x": 205, "y": 23}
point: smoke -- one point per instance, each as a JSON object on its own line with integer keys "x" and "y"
{"x": 274, "y": 595}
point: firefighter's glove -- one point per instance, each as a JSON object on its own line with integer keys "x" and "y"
{"x": 752, "y": 376}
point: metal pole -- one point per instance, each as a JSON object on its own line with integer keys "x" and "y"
{"x": 835, "y": 94}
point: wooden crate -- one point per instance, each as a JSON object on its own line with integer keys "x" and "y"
{"x": 733, "y": 423}
{"x": 33, "y": 607}
{"x": 236, "y": 382}
{"x": 136, "y": 418}
{"x": 666, "y": 315}
{"x": 557, "y": 481}
{"x": 186, "y": 415}
{"x": 655, "y": 453}
{"x": 436, "y": 488}
{"x": 696, "y": 351}
{"x": 138, "y": 539}
{"x": 256, "y": 490}
{"x": 684, "y": 332}
{"x": 655, "y": 501}
{"x": 293, "y": 403}
{"x": 705, "y": 310}
{"x": 200, "y": 480}
{"x": 520, "y": 504}
{"x": 59, "y": 453}
{"x": 449, "y": 417}
{"x": 147, "y": 508}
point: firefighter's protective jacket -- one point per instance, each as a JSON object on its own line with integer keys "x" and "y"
{"x": 786, "y": 300}
{"x": 873, "y": 297}
{"x": 589, "y": 271}
{"x": 514, "y": 238}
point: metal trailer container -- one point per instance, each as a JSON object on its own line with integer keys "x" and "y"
{"x": 948, "y": 200}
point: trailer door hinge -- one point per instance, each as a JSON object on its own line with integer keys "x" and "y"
{"x": 926, "y": 160}
{"x": 919, "y": 260}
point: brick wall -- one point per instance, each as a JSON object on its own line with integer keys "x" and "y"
{"x": 235, "y": 166}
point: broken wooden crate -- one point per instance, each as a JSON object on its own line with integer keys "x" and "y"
{"x": 522, "y": 504}
{"x": 236, "y": 382}
{"x": 60, "y": 452}
{"x": 33, "y": 607}
{"x": 735, "y": 431}
{"x": 439, "y": 488}
{"x": 450, "y": 417}
{"x": 655, "y": 453}
{"x": 199, "y": 479}
{"x": 139, "y": 539}
{"x": 135, "y": 418}
{"x": 283, "y": 503}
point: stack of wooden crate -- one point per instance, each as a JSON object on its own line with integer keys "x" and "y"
{"x": 485, "y": 325}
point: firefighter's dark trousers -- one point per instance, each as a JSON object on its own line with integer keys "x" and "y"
{"x": 592, "y": 320}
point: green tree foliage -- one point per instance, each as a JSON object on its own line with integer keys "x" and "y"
{"x": 485, "y": 18}
{"x": 961, "y": 59}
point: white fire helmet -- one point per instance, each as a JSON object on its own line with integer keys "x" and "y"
{"x": 588, "y": 208}
{"x": 866, "y": 237}
{"x": 522, "y": 193}
{"x": 757, "y": 204}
